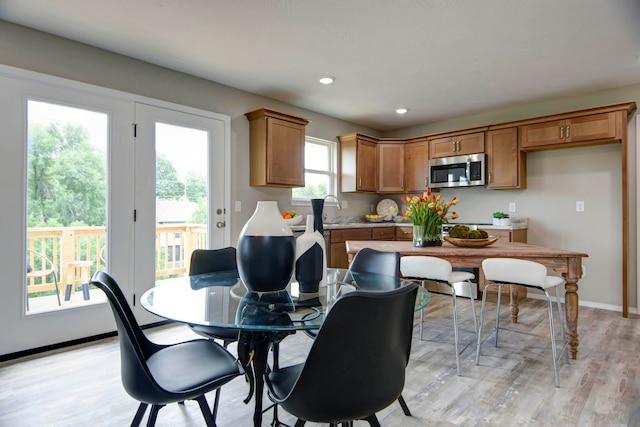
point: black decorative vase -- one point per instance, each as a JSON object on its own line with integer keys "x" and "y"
{"x": 317, "y": 205}
{"x": 266, "y": 250}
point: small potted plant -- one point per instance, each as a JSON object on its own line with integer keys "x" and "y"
{"x": 501, "y": 219}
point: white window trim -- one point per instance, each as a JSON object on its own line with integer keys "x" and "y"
{"x": 333, "y": 173}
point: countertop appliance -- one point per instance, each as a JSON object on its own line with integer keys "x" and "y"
{"x": 457, "y": 171}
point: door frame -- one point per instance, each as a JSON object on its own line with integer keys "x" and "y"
{"x": 37, "y": 330}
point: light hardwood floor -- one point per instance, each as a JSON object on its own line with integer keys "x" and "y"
{"x": 512, "y": 386}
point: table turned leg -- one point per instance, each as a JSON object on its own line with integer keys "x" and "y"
{"x": 513, "y": 303}
{"x": 571, "y": 310}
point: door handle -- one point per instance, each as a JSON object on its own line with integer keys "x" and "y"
{"x": 561, "y": 132}
{"x": 568, "y": 127}
{"x": 221, "y": 224}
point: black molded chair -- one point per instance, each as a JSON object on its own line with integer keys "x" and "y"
{"x": 356, "y": 365}
{"x": 378, "y": 262}
{"x": 209, "y": 261}
{"x": 157, "y": 374}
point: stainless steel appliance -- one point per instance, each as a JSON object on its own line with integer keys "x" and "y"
{"x": 457, "y": 171}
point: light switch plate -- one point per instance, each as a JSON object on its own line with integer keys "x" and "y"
{"x": 512, "y": 207}
{"x": 580, "y": 206}
{"x": 238, "y": 206}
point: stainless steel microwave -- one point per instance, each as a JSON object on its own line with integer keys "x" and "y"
{"x": 457, "y": 171}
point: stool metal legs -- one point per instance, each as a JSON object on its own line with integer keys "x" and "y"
{"x": 552, "y": 332}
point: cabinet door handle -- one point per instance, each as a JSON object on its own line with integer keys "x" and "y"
{"x": 359, "y": 181}
{"x": 568, "y": 127}
{"x": 454, "y": 146}
{"x": 489, "y": 177}
{"x": 561, "y": 132}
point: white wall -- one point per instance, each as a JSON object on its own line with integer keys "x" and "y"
{"x": 555, "y": 179}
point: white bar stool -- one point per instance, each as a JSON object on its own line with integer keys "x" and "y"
{"x": 508, "y": 271}
{"x": 438, "y": 270}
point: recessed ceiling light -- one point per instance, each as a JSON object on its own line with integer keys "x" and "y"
{"x": 327, "y": 80}
{"x": 402, "y": 110}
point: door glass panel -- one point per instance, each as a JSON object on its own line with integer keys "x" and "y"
{"x": 66, "y": 205}
{"x": 181, "y": 197}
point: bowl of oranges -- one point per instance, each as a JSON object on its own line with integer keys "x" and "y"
{"x": 291, "y": 217}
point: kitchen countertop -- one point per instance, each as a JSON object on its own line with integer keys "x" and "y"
{"x": 339, "y": 226}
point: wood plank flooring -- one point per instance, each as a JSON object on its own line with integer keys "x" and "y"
{"x": 512, "y": 386}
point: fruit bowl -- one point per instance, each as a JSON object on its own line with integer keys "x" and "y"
{"x": 471, "y": 243}
{"x": 379, "y": 219}
{"x": 294, "y": 221}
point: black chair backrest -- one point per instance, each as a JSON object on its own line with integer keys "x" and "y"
{"x": 211, "y": 260}
{"x": 377, "y": 262}
{"x": 135, "y": 348}
{"x": 356, "y": 365}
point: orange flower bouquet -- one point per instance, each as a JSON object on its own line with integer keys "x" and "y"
{"x": 427, "y": 213}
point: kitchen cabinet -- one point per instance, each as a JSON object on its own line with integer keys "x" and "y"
{"x": 338, "y": 251}
{"x": 575, "y": 131}
{"x": 276, "y": 149}
{"x": 383, "y": 233}
{"x": 506, "y": 164}
{"x": 404, "y": 232}
{"x": 391, "y": 167}
{"x": 359, "y": 163}
{"x": 456, "y": 145}
{"x": 416, "y": 165}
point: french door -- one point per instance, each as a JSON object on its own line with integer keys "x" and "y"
{"x": 77, "y": 160}
{"x": 180, "y": 192}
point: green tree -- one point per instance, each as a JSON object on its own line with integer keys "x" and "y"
{"x": 196, "y": 185}
{"x": 66, "y": 177}
{"x": 168, "y": 184}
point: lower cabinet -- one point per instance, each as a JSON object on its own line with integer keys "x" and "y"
{"x": 338, "y": 252}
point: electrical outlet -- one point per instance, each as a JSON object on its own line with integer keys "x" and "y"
{"x": 344, "y": 204}
{"x": 580, "y": 206}
{"x": 512, "y": 207}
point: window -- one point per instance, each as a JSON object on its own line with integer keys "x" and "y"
{"x": 319, "y": 171}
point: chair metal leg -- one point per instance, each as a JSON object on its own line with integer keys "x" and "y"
{"x": 552, "y": 332}
{"x": 561, "y": 317}
{"x": 495, "y": 344}
{"x": 216, "y": 401}
{"x": 473, "y": 308}
{"x": 373, "y": 420}
{"x": 300, "y": 423}
{"x": 404, "y": 406}
{"x": 139, "y": 414}
{"x": 153, "y": 415}
{"x": 206, "y": 411}
{"x": 480, "y": 327}
{"x": 455, "y": 329}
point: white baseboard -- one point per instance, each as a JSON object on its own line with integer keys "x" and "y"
{"x": 609, "y": 307}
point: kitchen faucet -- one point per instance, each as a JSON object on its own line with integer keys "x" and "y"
{"x": 335, "y": 198}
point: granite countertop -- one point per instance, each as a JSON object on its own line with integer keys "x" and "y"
{"x": 355, "y": 224}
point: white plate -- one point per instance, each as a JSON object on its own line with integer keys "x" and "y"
{"x": 387, "y": 209}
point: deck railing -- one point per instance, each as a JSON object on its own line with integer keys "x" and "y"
{"x": 64, "y": 245}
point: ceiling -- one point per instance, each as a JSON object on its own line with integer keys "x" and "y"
{"x": 438, "y": 58}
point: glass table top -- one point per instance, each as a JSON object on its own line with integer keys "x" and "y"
{"x": 221, "y": 299}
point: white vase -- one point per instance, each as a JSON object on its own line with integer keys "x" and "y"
{"x": 311, "y": 259}
{"x": 266, "y": 250}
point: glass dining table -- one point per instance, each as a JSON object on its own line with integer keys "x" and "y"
{"x": 262, "y": 319}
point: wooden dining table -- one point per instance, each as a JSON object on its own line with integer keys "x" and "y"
{"x": 568, "y": 263}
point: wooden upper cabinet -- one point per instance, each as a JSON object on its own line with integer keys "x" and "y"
{"x": 456, "y": 145}
{"x": 277, "y": 149}
{"x": 506, "y": 164}
{"x": 359, "y": 163}
{"x": 416, "y": 165}
{"x": 391, "y": 167}
{"x": 582, "y": 130}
